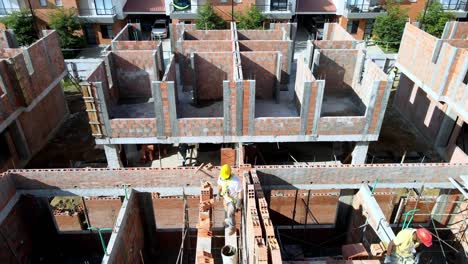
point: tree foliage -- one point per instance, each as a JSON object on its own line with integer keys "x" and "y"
{"x": 435, "y": 19}
{"x": 22, "y": 24}
{"x": 252, "y": 19}
{"x": 208, "y": 19}
{"x": 389, "y": 27}
{"x": 68, "y": 28}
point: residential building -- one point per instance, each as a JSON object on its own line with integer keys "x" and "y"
{"x": 101, "y": 18}
{"x": 149, "y": 215}
{"x": 432, "y": 91}
{"x": 273, "y": 10}
{"x": 234, "y": 86}
{"x": 32, "y": 103}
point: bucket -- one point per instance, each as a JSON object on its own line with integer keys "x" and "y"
{"x": 229, "y": 254}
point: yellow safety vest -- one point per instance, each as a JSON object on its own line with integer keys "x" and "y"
{"x": 224, "y": 190}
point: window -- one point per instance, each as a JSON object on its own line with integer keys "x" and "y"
{"x": 43, "y": 2}
{"x": 352, "y": 26}
{"x": 279, "y": 5}
{"x": 58, "y": 2}
{"x": 103, "y": 7}
{"x": 106, "y": 31}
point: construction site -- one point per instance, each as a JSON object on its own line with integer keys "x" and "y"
{"x": 294, "y": 128}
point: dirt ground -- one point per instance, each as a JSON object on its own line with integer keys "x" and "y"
{"x": 398, "y": 136}
{"x": 73, "y": 145}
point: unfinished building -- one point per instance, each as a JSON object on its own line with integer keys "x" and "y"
{"x": 235, "y": 86}
{"x": 433, "y": 92}
{"x": 32, "y": 103}
{"x": 317, "y": 214}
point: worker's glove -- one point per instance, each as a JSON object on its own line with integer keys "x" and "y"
{"x": 387, "y": 260}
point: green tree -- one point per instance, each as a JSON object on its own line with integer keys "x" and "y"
{"x": 388, "y": 28}
{"x": 208, "y": 19}
{"x": 434, "y": 20}
{"x": 252, "y": 19}
{"x": 22, "y": 24}
{"x": 68, "y": 27}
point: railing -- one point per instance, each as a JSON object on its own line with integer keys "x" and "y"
{"x": 275, "y": 7}
{"x": 460, "y": 5}
{"x": 7, "y": 11}
{"x": 97, "y": 12}
{"x": 365, "y": 8}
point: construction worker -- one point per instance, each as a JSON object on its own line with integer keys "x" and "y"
{"x": 402, "y": 249}
{"x": 230, "y": 188}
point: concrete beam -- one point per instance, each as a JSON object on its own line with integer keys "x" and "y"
{"x": 239, "y": 106}
{"x": 375, "y": 217}
{"x": 318, "y": 107}
{"x": 305, "y": 107}
{"x": 112, "y": 156}
{"x": 102, "y": 105}
{"x": 359, "y": 153}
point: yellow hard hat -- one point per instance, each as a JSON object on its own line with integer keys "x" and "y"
{"x": 225, "y": 172}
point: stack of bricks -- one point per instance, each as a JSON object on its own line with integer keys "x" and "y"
{"x": 204, "y": 225}
{"x": 274, "y": 252}
{"x": 255, "y": 242}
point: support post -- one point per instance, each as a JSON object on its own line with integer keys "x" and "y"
{"x": 194, "y": 79}
{"x": 278, "y": 77}
{"x": 112, "y": 156}
{"x": 360, "y": 153}
{"x": 445, "y": 129}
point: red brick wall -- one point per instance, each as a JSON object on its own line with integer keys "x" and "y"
{"x": 416, "y": 110}
{"x": 269, "y": 45}
{"x": 189, "y": 47}
{"x": 196, "y": 127}
{"x": 134, "y": 71}
{"x": 337, "y": 67}
{"x": 43, "y": 119}
{"x": 286, "y": 208}
{"x": 207, "y": 34}
{"x": 16, "y": 242}
{"x": 212, "y": 69}
{"x": 277, "y": 126}
{"x": 129, "y": 243}
{"x": 334, "y": 44}
{"x": 260, "y": 34}
{"x": 341, "y": 125}
{"x": 102, "y": 211}
{"x": 261, "y": 67}
{"x": 135, "y": 127}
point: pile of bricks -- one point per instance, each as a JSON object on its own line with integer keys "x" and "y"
{"x": 261, "y": 240}
{"x": 204, "y": 225}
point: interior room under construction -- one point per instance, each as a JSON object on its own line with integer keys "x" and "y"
{"x": 291, "y": 214}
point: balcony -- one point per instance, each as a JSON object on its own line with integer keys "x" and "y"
{"x": 95, "y": 15}
{"x": 364, "y": 10}
{"x": 7, "y": 11}
{"x": 458, "y": 8}
{"x": 277, "y": 10}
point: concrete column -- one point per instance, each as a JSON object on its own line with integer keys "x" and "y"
{"x": 345, "y": 207}
{"x": 441, "y": 204}
{"x": 445, "y": 129}
{"x": 112, "y": 156}
{"x": 360, "y": 153}
{"x": 278, "y": 78}
{"x": 194, "y": 84}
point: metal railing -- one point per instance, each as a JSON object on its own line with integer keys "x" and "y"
{"x": 275, "y": 7}
{"x": 460, "y": 5}
{"x": 97, "y": 12}
{"x": 7, "y": 11}
{"x": 365, "y": 8}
